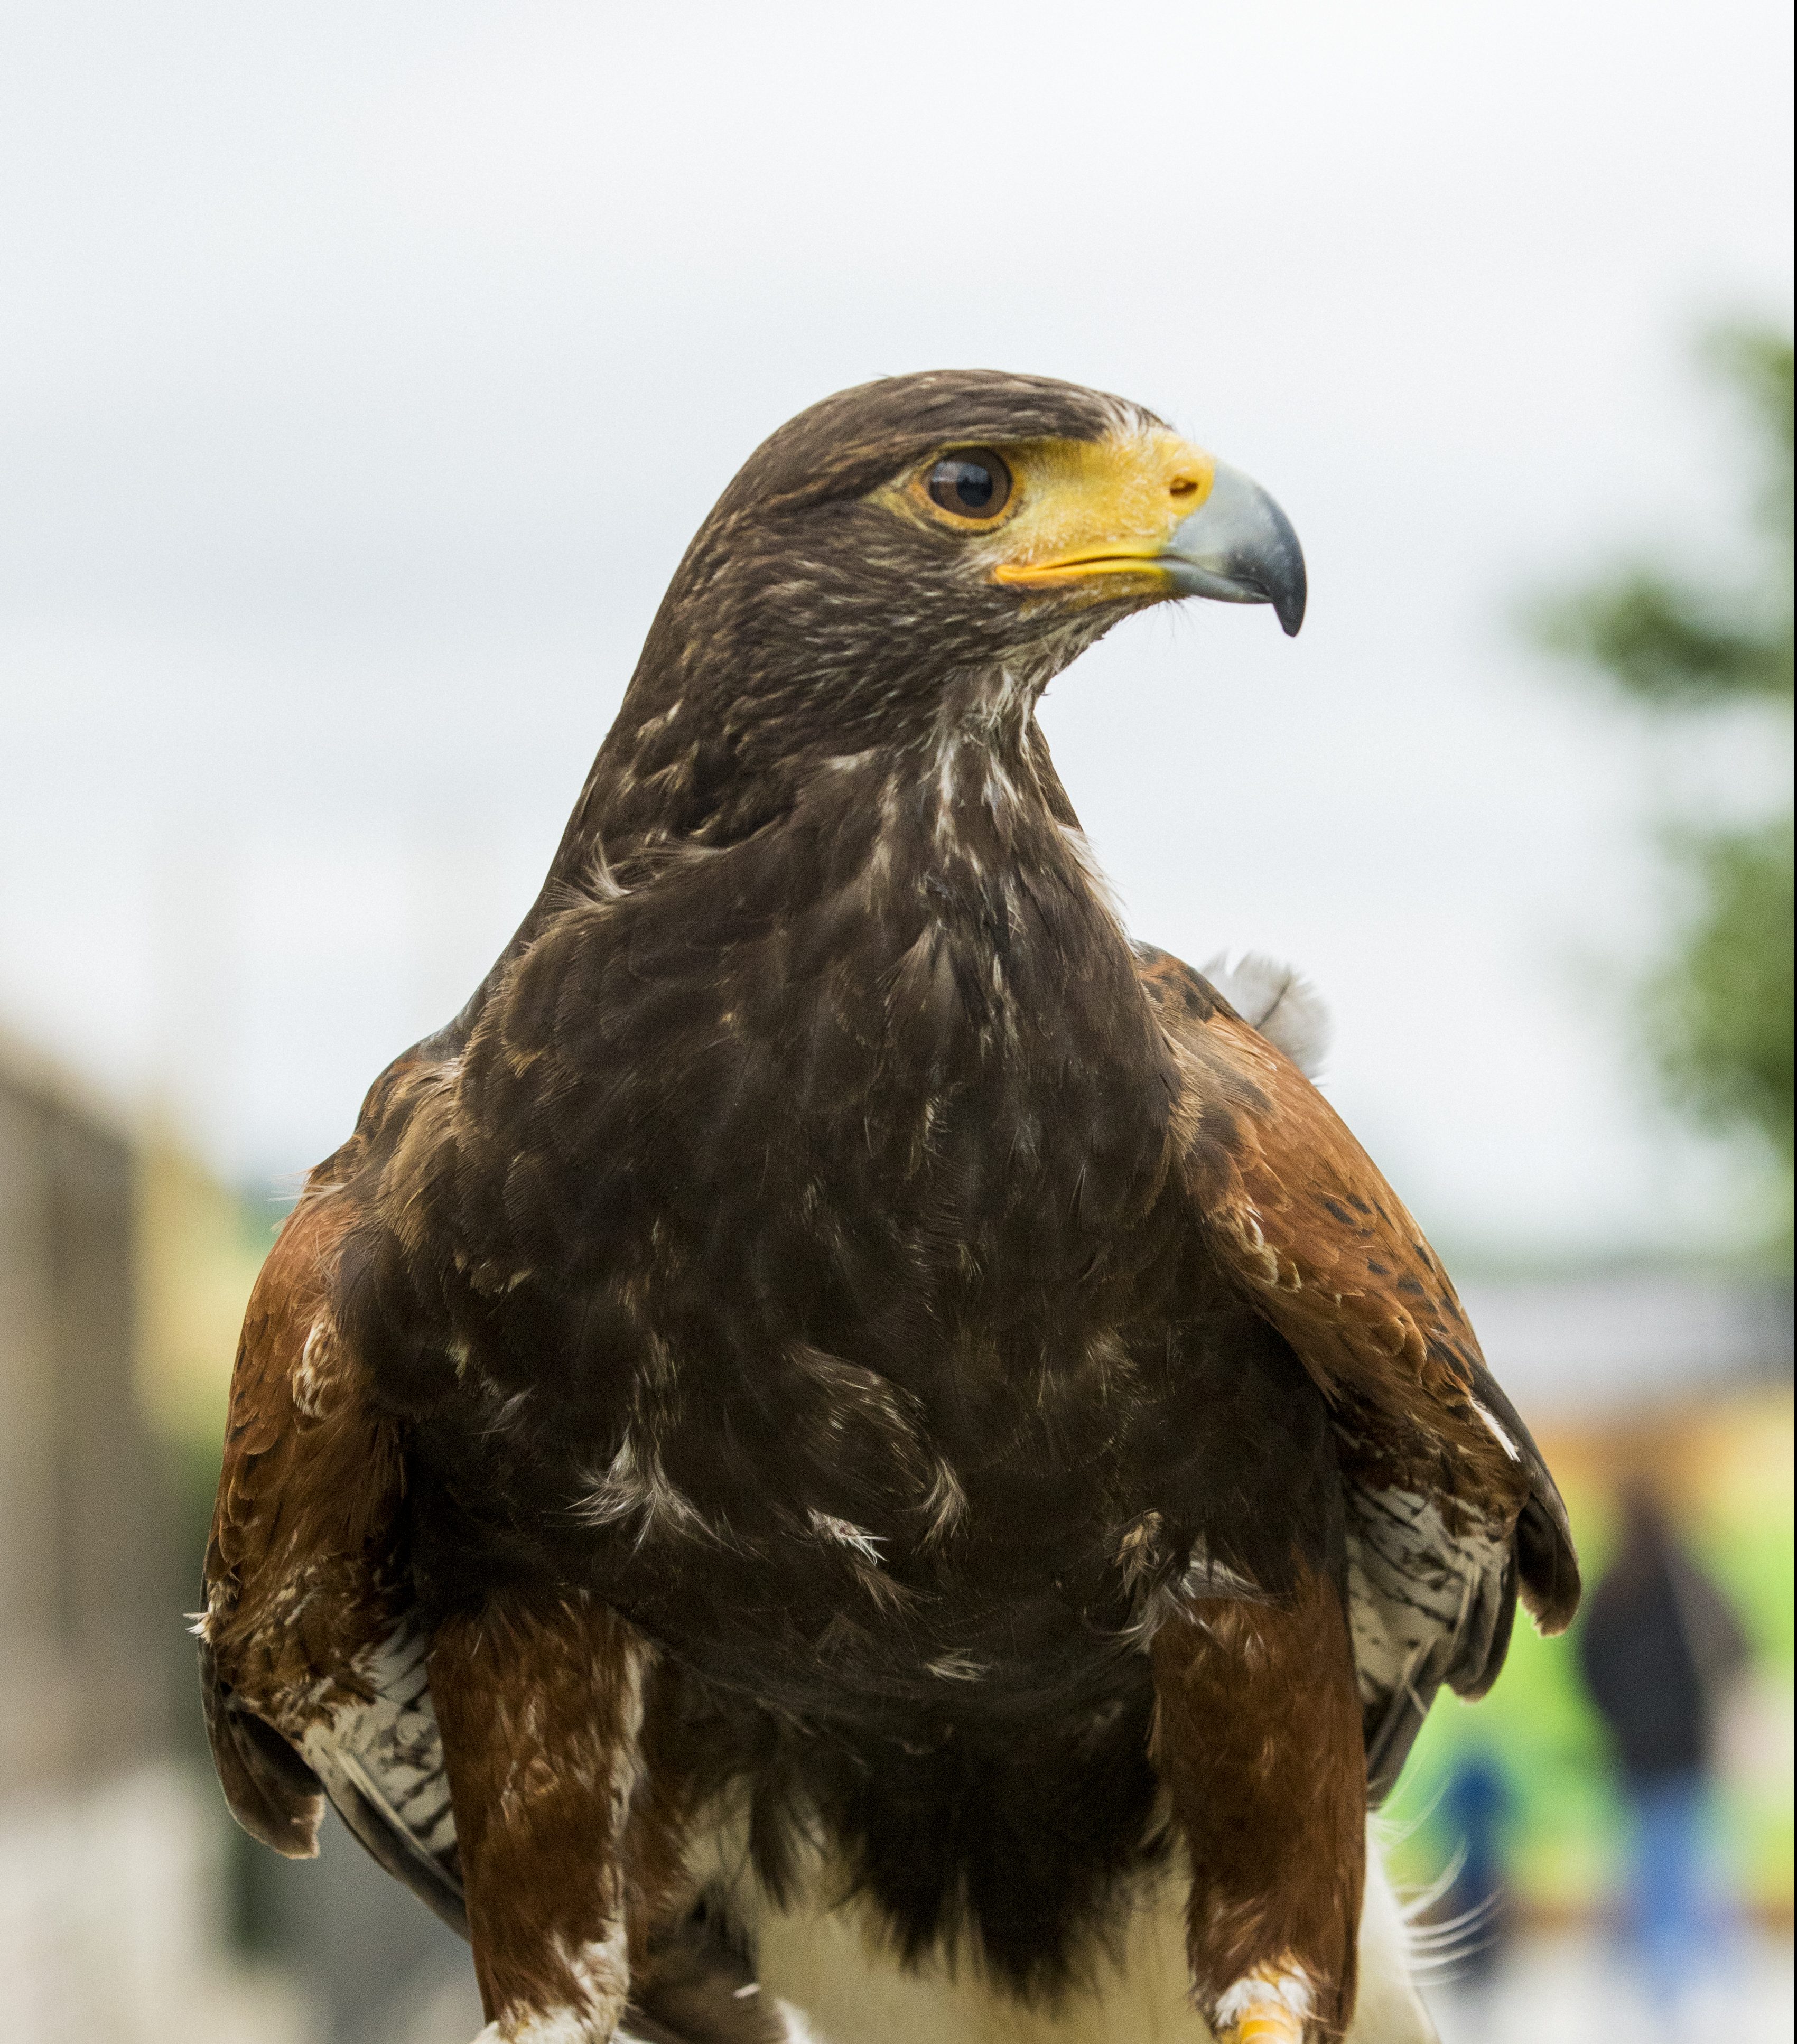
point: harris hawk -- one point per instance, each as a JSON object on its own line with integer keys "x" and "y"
{"x": 840, "y": 1390}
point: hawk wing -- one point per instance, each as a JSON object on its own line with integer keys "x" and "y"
{"x": 312, "y": 1666}
{"x": 1450, "y": 1510}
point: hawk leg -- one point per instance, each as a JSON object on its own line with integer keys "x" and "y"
{"x": 540, "y": 1707}
{"x": 1257, "y": 1741}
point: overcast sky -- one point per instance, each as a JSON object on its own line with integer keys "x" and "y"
{"x": 367, "y": 367}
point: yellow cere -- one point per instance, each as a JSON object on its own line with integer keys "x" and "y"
{"x": 1081, "y": 510}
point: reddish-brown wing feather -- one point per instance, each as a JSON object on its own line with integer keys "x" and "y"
{"x": 1450, "y": 1508}
{"x": 1302, "y": 1217}
{"x": 310, "y": 1477}
{"x": 303, "y": 1581}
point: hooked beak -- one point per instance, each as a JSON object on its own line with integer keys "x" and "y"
{"x": 1112, "y": 517}
{"x": 1238, "y": 547}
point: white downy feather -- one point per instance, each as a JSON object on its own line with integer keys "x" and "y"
{"x": 831, "y": 1965}
{"x": 1278, "y": 1002}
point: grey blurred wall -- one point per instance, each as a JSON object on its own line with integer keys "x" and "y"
{"x": 89, "y": 1640}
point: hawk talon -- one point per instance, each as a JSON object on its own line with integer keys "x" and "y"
{"x": 1267, "y": 2023}
{"x": 1270, "y": 2005}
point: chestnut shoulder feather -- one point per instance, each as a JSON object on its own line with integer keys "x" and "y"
{"x": 312, "y": 1663}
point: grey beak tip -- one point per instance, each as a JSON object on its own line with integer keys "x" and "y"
{"x": 1288, "y": 582}
{"x": 1239, "y": 546}
{"x": 1289, "y": 608}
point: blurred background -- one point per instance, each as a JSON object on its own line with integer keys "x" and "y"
{"x": 368, "y": 369}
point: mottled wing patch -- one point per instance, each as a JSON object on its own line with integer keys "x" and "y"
{"x": 381, "y": 1763}
{"x": 1425, "y": 1607}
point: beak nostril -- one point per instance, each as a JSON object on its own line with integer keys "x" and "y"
{"x": 1183, "y": 486}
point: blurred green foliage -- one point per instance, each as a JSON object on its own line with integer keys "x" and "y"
{"x": 1720, "y": 1011}
{"x": 1716, "y": 1007}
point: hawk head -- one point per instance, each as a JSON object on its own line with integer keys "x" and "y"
{"x": 929, "y": 547}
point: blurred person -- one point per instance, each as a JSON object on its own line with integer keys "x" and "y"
{"x": 1478, "y": 1804}
{"x": 1659, "y": 1647}
{"x": 1467, "y": 1939}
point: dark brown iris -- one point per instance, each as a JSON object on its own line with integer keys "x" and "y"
{"x": 972, "y": 483}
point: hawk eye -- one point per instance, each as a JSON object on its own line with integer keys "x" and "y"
{"x": 972, "y": 484}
